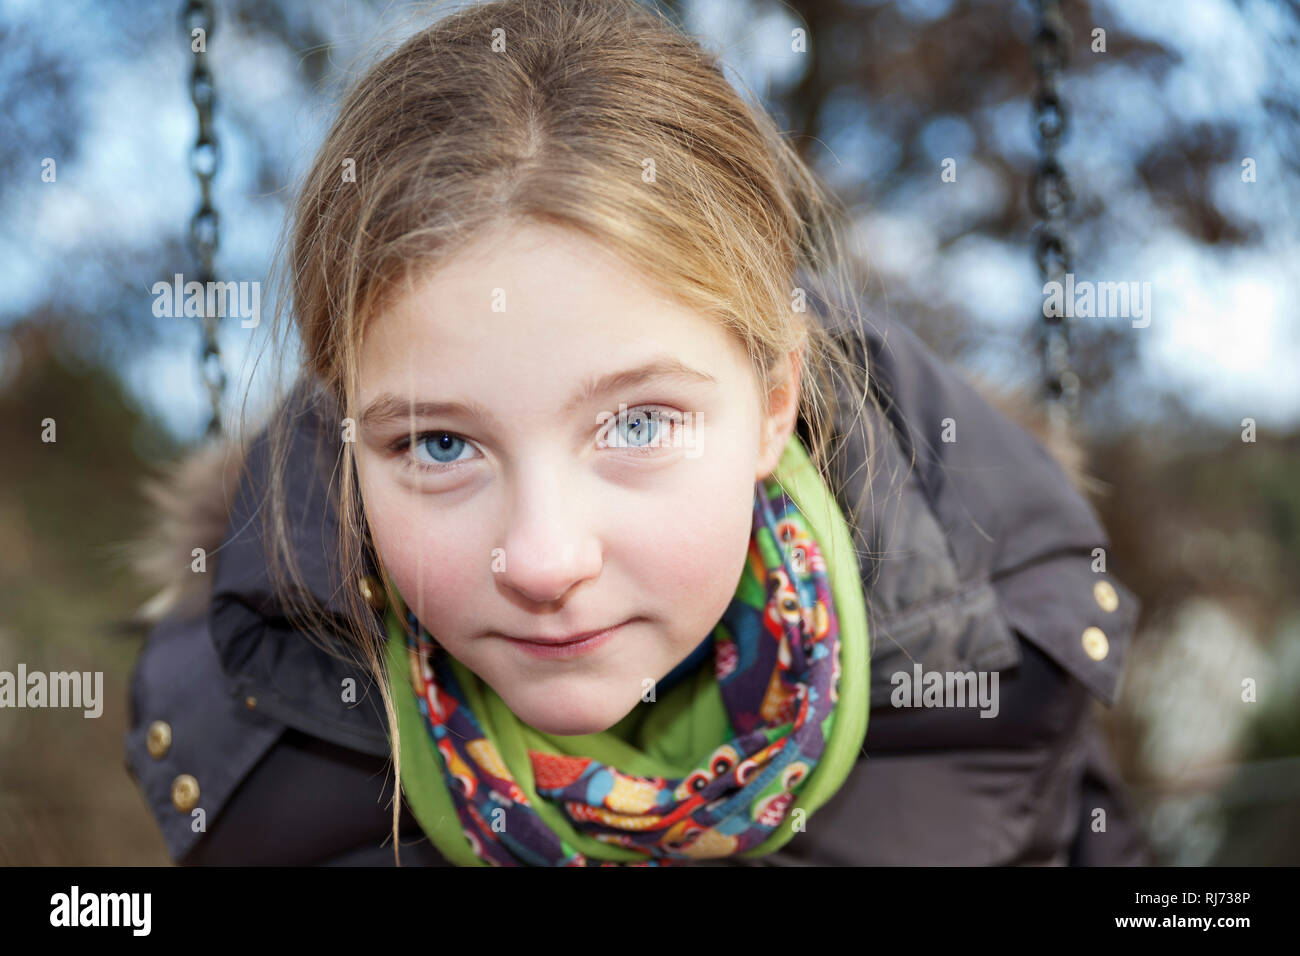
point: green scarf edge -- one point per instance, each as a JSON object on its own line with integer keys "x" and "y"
{"x": 431, "y": 802}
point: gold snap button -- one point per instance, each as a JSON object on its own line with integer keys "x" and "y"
{"x": 1106, "y": 596}
{"x": 1095, "y": 644}
{"x": 415, "y": 671}
{"x": 185, "y": 793}
{"x": 373, "y": 592}
{"x": 250, "y": 702}
{"x": 158, "y": 739}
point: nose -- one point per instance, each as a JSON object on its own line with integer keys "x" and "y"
{"x": 550, "y": 546}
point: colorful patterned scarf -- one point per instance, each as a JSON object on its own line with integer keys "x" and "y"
{"x": 791, "y": 723}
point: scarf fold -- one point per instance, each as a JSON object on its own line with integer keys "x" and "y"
{"x": 730, "y": 761}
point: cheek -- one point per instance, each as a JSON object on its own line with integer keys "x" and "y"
{"x": 430, "y": 558}
{"x": 690, "y": 554}
{"x": 432, "y": 568}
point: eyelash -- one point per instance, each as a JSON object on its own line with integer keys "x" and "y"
{"x": 671, "y": 420}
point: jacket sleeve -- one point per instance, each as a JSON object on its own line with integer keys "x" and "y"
{"x": 229, "y": 785}
{"x": 943, "y": 786}
{"x": 310, "y": 802}
{"x": 190, "y": 742}
{"x": 1111, "y": 837}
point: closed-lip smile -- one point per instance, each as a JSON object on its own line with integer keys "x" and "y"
{"x": 571, "y": 639}
{"x": 564, "y": 646}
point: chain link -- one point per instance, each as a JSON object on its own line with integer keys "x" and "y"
{"x": 1051, "y": 199}
{"x": 205, "y": 159}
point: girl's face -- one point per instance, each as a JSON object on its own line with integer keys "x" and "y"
{"x": 526, "y": 511}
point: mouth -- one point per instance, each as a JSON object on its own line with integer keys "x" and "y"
{"x": 562, "y": 646}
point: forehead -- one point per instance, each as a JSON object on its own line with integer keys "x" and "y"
{"x": 533, "y": 301}
{"x": 521, "y": 268}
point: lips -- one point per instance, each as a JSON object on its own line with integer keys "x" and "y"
{"x": 561, "y": 639}
{"x": 565, "y": 646}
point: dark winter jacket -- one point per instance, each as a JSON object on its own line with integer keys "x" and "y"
{"x": 977, "y": 554}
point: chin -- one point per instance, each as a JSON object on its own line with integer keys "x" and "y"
{"x": 571, "y": 715}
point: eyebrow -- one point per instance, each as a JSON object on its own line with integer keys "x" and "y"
{"x": 387, "y": 407}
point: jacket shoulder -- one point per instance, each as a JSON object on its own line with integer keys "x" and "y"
{"x": 971, "y": 528}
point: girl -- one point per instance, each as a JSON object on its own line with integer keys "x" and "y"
{"x": 600, "y": 513}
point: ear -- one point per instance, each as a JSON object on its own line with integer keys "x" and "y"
{"x": 781, "y": 414}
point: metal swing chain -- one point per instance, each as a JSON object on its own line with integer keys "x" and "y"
{"x": 1050, "y": 198}
{"x": 205, "y": 157}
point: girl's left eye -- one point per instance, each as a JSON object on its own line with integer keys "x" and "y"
{"x": 642, "y": 427}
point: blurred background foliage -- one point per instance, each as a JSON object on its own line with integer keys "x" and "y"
{"x": 1205, "y": 527}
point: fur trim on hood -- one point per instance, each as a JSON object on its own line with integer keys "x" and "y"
{"x": 190, "y": 501}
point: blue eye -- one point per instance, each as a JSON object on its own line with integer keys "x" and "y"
{"x": 642, "y": 429}
{"x": 443, "y": 447}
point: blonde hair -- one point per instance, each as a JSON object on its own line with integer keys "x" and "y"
{"x": 452, "y": 133}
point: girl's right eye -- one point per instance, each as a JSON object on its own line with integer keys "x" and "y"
{"x": 433, "y": 451}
